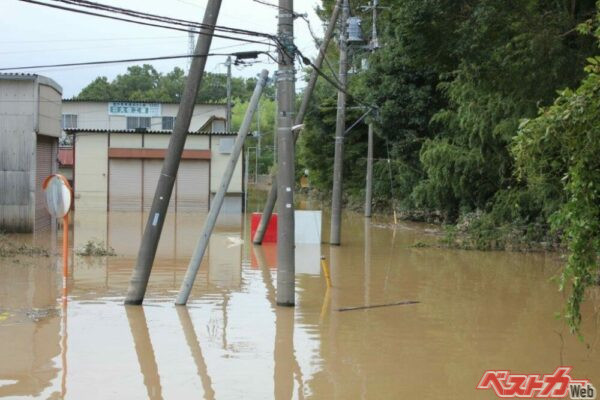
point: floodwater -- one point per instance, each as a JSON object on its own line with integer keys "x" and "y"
{"x": 477, "y": 311}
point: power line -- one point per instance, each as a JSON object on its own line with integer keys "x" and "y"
{"x": 181, "y": 29}
{"x": 120, "y": 61}
{"x": 160, "y": 18}
{"x": 92, "y": 39}
{"x": 307, "y": 61}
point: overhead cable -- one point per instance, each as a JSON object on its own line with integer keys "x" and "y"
{"x": 101, "y": 62}
{"x": 176, "y": 28}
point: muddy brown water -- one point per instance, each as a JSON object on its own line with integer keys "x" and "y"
{"x": 477, "y": 311}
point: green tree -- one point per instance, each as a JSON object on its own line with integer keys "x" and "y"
{"x": 557, "y": 155}
{"x": 99, "y": 89}
{"x": 144, "y": 83}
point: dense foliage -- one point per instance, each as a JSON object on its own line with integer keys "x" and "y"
{"x": 452, "y": 83}
{"x": 557, "y": 154}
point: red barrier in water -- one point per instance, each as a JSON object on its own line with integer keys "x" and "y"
{"x": 270, "y": 233}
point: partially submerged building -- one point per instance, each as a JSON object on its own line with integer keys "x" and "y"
{"x": 119, "y": 148}
{"x": 30, "y": 115}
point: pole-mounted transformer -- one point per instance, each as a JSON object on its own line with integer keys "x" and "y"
{"x": 355, "y": 35}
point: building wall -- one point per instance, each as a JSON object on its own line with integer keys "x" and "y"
{"x": 91, "y": 171}
{"x": 129, "y": 141}
{"x": 17, "y": 154}
{"x": 94, "y": 115}
{"x": 219, "y": 165}
{"x": 91, "y": 163}
{"x": 29, "y": 106}
{"x": 49, "y": 122}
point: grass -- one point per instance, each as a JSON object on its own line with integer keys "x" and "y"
{"x": 10, "y": 248}
{"x": 95, "y": 249}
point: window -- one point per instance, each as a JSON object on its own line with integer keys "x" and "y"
{"x": 168, "y": 123}
{"x": 138, "y": 122}
{"x": 218, "y": 125}
{"x": 69, "y": 121}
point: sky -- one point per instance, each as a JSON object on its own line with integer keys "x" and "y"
{"x": 31, "y": 34}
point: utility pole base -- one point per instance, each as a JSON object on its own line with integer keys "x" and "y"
{"x": 286, "y": 304}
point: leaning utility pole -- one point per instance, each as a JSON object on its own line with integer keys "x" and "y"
{"x": 286, "y": 77}
{"x": 228, "y": 122}
{"x": 164, "y": 189}
{"x": 272, "y": 197}
{"x": 340, "y": 127}
{"x": 213, "y": 214}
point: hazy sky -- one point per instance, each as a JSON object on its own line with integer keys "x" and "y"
{"x": 35, "y": 35}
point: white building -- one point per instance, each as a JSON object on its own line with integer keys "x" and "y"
{"x": 29, "y": 131}
{"x": 119, "y": 148}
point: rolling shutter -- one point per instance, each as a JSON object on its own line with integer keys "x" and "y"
{"x": 152, "y": 170}
{"x": 192, "y": 186}
{"x": 125, "y": 185}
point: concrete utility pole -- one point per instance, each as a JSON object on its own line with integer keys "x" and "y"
{"x": 211, "y": 220}
{"x": 340, "y": 127}
{"x": 369, "y": 184}
{"x": 286, "y": 79}
{"x": 369, "y": 188}
{"x": 308, "y": 91}
{"x": 164, "y": 189}
{"x": 228, "y": 128}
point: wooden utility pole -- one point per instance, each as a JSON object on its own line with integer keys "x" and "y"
{"x": 308, "y": 91}
{"x": 340, "y": 127}
{"x": 211, "y": 219}
{"x": 286, "y": 79}
{"x": 164, "y": 189}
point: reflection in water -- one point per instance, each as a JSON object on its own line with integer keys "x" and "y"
{"x": 367, "y": 261}
{"x": 286, "y": 364}
{"x": 478, "y": 311}
{"x": 284, "y": 353}
{"x": 30, "y": 327}
{"x": 63, "y": 345}
{"x": 144, "y": 350}
{"x": 194, "y": 345}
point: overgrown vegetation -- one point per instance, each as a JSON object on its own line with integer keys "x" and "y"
{"x": 10, "y": 248}
{"x": 487, "y": 119}
{"x": 558, "y": 154}
{"x": 96, "y": 249}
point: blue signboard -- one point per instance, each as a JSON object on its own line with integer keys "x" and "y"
{"x": 134, "y": 109}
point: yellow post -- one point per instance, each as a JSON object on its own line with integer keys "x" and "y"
{"x": 326, "y": 271}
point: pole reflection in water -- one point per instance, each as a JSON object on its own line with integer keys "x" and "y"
{"x": 286, "y": 364}
{"x": 63, "y": 344}
{"x": 367, "y": 283}
{"x": 334, "y": 271}
{"x": 284, "y": 353}
{"x": 144, "y": 350}
{"x": 192, "y": 341}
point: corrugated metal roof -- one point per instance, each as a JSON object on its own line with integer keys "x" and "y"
{"x": 19, "y": 76}
{"x": 75, "y": 100}
{"x": 154, "y": 132}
